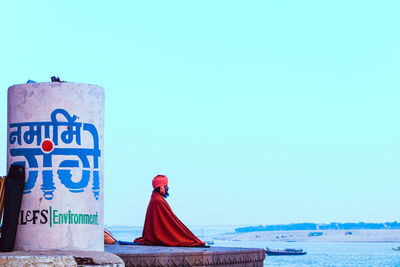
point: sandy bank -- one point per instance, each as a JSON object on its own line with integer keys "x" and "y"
{"x": 327, "y": 236}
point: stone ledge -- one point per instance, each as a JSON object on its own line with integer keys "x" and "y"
{"x": 140, "y": 256}
{"x": 59, "y": 258}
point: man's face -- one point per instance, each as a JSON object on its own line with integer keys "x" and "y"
{"x": 166, "y": 191}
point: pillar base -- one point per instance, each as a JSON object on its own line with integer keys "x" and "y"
{"x": 59, "y": 258}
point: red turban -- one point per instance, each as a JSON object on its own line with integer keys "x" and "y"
{"x": 160, "y": 181}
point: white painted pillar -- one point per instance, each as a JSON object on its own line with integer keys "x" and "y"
{"x": 56, "y": 131}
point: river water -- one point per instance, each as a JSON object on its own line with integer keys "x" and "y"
{"x": 327, "y": 253}
{"x": 318, "y": 253}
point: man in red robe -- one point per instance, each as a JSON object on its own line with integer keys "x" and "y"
{"x": 162, "y": 227}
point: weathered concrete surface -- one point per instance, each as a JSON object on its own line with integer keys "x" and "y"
{"x": 177, "y": 256}
{"x": 59, "y": 258}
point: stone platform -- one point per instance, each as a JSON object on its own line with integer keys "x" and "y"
{"x": 135, "y": 255}
{"x": 47, "y": 258}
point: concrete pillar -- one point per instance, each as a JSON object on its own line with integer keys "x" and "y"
{"x": 56, "y": 131}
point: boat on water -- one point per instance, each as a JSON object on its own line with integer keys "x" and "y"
{"x": 286, "y": 251}
{"x": 396, "y": 249}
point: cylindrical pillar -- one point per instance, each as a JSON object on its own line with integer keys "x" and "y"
{"x": 55, "y": 130}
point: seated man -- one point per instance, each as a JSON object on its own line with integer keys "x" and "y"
{"x": 162, "y": 227}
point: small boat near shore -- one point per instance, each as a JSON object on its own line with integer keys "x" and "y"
{"x": 282, "y": 252}
{"x": 396, "y": 249}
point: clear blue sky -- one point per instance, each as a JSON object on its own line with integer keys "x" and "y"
{"x": 259, "y": 112}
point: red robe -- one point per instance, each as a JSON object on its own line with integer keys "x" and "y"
{"x": 163, "y": 228}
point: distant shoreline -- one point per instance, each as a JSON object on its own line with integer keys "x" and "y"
{"x": 316, "y": 236}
